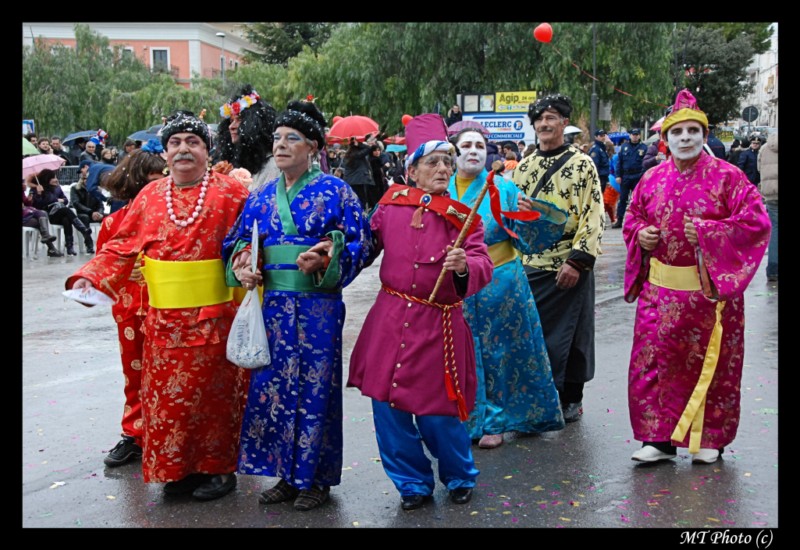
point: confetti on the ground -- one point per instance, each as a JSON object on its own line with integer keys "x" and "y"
{"x": 57, "y": 484}
{"x": 768, "y": 411}
{"x": 111, "y": 497}
{"x": 347, "y": 468}
{"x": 355, "y": 524}
{"x": 747, "y": 474}
{"x": 473, "y": 513}
{"x": 624, "y": 518}
{"x": 646, "y": 514}
{"x": 537, "y": 488}
{"x": 514, "y": 520}
{"x": 507, "y": 477}
{"x": 574, "y": 503}
{"x": 565, "y": 519}
{"x": 609, "y": 411}
{"x": 713, "y": 519}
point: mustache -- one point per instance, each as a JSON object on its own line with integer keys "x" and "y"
{"x": 183, "y": 156}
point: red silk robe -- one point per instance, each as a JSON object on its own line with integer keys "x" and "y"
{"x": 192, "y": 397}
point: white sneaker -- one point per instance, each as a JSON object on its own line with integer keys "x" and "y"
{"x": 648, "y": 453}
{"x": 706, "y": 456}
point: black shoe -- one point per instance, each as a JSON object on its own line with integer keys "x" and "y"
{"x": 462, "y": 495}
{"x": 90, "y": 249}
{"x": 186, "y": 485}
{"x": 54, "y": 253}
{"x": 573, "y": 411}
{"x": 216, "y": 487}
{"x": 123, "y": 452}
{"x": 49, "y": 239}
{"x": 616, "y": 225}
{"x": 412, "y": 502}
{"x": 71, "y": 251}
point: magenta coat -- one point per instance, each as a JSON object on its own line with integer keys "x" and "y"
{"x": 399, "y": 355}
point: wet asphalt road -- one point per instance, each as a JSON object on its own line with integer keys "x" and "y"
{"x": 582, "y": 476}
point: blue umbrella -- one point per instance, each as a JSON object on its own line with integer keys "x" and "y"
{"x": 393, "y": 148}
{"x": 82, "y": 134}
{"x": 617, "y": 137}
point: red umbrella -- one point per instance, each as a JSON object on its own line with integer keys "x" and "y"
{"x": 37, "y": 163}
{"x": 355, "y": 126}
{"x": 395, "y": 140}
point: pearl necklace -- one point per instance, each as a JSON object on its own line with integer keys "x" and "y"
{"x": 197, "y": 209}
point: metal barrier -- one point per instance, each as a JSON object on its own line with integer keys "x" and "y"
{"x": 67, "y": 175}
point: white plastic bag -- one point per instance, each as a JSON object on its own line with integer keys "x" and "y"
{"x": 247, "y": 342}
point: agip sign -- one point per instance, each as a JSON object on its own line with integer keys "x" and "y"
{"x": 513, "y": 102}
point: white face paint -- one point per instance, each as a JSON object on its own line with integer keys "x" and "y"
{"x": 685, "y": 140}
{"x": 472, "y": 157}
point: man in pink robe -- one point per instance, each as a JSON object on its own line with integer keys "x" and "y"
{"x": 696, "y": 231}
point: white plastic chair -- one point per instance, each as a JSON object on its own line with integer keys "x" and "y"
{"x": 30, "y": 238}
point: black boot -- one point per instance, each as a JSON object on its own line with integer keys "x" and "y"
{"x": 87, "y": 234}
{"x": 53, "y": 252}
{"x": 69, "y": 245}
{"x": 44, "y": 231}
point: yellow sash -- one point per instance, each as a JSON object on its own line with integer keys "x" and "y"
{"x": 502, "y": 253}
{"x": 673, "y": 277}
{"x": 173, "y": 285}
{"x": 687, "y": 278}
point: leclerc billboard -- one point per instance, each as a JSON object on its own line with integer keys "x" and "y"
{"x": 505, "y": 127}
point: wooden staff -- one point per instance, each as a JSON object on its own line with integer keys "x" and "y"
{"x": 464, "y": 230}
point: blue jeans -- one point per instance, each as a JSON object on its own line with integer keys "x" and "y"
{"x": 772, "y": 251}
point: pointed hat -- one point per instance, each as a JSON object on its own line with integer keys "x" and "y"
{"x": 685, "y": 108}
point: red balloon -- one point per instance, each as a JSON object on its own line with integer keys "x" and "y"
{"x": 406, "y": 119}
{"x": 543, "y": 33}
{"x": 336, "y": 119}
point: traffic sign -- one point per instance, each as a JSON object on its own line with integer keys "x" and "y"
{"x": 750, "y": 113}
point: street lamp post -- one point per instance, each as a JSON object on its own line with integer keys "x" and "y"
{"x": 593, "y": 120}
{"x": 222, "y": 35}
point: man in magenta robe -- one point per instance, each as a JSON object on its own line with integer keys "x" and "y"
{"x": 696, "y": 231}
{"x": 415, "y": 355}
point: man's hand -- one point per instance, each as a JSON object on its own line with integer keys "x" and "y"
{"x": 648, "y": 237}
{"x": 97, "y": 216}
{"x": 82, "y": 284}
{"x": 690, "y": 230}
{"x": 456, "y": 260}
{"x": 567, "y": 277}
{"x": 313, "y": 259}
{"x": 243, "y": 272}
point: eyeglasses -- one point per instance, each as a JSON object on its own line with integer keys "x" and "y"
{"x": 434, "y": 161}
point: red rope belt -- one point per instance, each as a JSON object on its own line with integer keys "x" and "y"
{"x": 450, "y": 372}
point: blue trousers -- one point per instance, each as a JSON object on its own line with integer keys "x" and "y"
{"x": 400, "y": 436}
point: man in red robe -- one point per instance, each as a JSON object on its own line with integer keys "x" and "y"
{"x": 192, "y": 397}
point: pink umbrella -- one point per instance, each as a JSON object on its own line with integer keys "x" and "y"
{"x": 455, "y": 128}
{"x": 657, "y": 124}
{"x": 37, "y": 163}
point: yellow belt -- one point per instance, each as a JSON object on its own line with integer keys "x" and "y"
{"x": 687, "y": 278}
{"x": 173, "y": 285}
{"x": 502, "y": 253}
{"x": 673, "y": 277}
